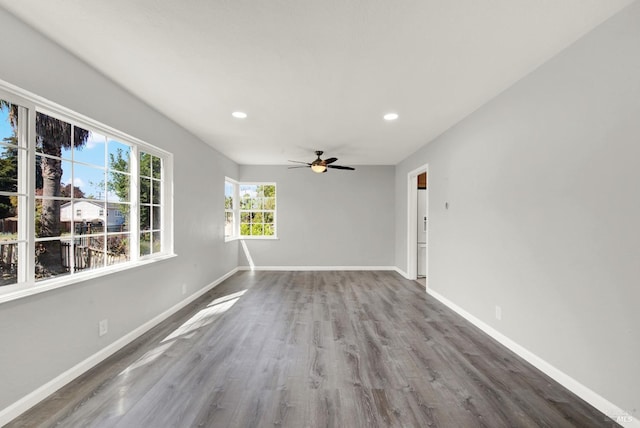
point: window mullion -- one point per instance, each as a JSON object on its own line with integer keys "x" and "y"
{"x": 26, "y": 186}
{"x": 236, "y": 209}
{"x": 134, "y": 197}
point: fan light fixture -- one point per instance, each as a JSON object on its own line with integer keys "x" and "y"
{"x": 320, "y": 165}
{"x": 319, "y": 168}
{"x": 391, "y": 116}
{"x": 239, "y": 115}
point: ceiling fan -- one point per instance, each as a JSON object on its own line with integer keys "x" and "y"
{"x": 320, "y": 165}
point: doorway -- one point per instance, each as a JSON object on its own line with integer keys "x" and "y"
{"x": 418, "y": 225}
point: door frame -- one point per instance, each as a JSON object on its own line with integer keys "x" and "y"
{"x": 412, "y": 222}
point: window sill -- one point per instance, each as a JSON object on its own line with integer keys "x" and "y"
{"x": 30, "y": 289}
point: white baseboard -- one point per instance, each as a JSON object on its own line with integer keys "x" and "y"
{"x": 603, "y": 405}
{"x": 316, "y": 268}
{"x": 33, "y": 398}
{"x": 401, "y": 272}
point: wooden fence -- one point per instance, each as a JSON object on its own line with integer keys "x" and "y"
{"x": 85, "y": 256}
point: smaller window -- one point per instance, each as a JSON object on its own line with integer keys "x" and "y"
{"x": 257, "y": 210}
{"x": 101, "y": 212}
{"x": 78, "y": 213}
{"x": 250, "y": 210}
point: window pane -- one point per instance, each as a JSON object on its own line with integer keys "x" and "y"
{"x": 157, "y": 224}
{"x": 8, "y": 168}
{"x": 157, "y": 242}
{"x": 8, "y": 263}
{"x": 50, "y": 214}
{"x": 245, "y": 229}
{"x": 145, "y": 243}
{"x": 48, "y": 173}
{"x": 145, "y": 164}
{"x": 89, "y": 250}
{"x": 8, "y": 122}
{"x": 156, "y": 167}
{"x": 145, "y": 217}
{"x": 53, "y": 258}
{"x": 269, "y": 230}
{"x": 245, "y": 217}
{"x": 117, "y": 249}
{"x": 256, "y": 229}
{"x": 256, "y": 204}
{"x": 228, "y": 195}
{"x": 269, "y": 191}
{"x": 256, "y": 218}
{"x": 245, "y": 203}
{"x": 53, "y": 136}
{"x": 156, "y": 192}
{"x": 118, "y": 187}
{"x": 8, "y": 218}
{"x": 88, "y": 182}
{"x": 87, "y": 214}
{"x": 268, "y": 217}
{"x": 228, "y": 224}
{"x": 118, "y": 217}
{"x": 270, "y": 203}
{"x": 248, "y": 189}
{"x": 145, "y": 190}
{"x": 89, "y": 147}
{"x": 119, "y": 156}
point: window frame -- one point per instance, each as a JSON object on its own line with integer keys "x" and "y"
{"x": 31, "y": 105}
{"x": 235, "y": 227}
{"x": 237, "y": 211}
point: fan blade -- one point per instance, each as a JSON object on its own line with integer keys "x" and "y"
{"x": 330, "y": 160}
{"x": 293, "y": 167}
{"x": 306, "y": 163}
{"x": 341, "y": 167}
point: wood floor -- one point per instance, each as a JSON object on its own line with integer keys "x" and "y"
{"x": 314, "y": 349}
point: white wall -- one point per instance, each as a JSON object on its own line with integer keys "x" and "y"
{"x": 43, "y": 335}
{"x": 340, "y": 218}
{"x": 544, "y": 211}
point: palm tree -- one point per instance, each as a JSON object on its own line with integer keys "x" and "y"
{"x": 52, "y": 135}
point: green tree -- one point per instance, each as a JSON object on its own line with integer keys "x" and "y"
{"x": 9, "y": 177}
{"x": 119, "y": 183}
{"x": 65, "y": 191}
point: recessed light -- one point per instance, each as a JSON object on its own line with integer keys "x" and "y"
{"x": 239, "y": 114}
{"x": 391, "y": 116}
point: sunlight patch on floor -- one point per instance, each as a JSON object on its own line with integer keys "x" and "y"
{"x": 188, "y": 329}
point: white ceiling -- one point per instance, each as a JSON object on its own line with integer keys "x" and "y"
{"x": 315, "y": 74}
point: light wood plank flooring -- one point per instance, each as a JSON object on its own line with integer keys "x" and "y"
{"x": 314, "y": 349}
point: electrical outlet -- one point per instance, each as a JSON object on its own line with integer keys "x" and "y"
{"x": 103, "y": 327}
{"x": 184, "y": 288}
{"x": 498, "y": 313}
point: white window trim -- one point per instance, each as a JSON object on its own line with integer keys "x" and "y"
{"x": 27, "y": 285}
{"x": 236, "y": 215}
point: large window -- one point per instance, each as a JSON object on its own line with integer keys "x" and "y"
{"x": 75, "y": 195}
{"x": 250, "y": 210}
